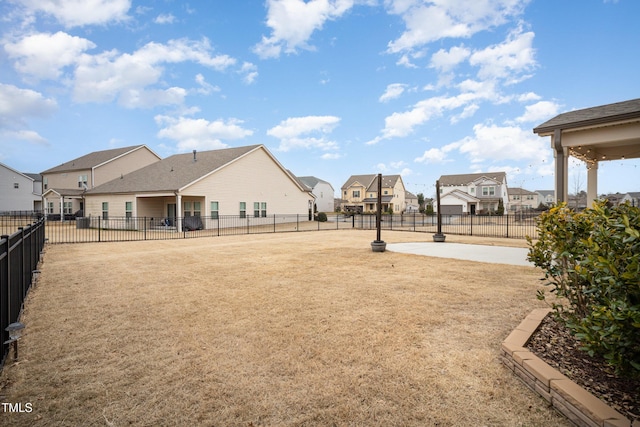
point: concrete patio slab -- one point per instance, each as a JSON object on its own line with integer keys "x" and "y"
{"x": 479, "y": 253}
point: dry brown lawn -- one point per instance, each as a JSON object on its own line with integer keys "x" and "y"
{"x": 295, "y": 329}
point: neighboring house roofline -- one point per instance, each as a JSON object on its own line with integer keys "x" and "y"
{"x": 180, "y": 171}
{"x": 466, "y": 179}
{"x": 95, "y": 159}
{"x": 18, "y": 172}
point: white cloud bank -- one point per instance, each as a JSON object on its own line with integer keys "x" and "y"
{"x": 305, "y": 133}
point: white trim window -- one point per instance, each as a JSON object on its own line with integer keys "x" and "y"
{"x": 263, "y": 209}
{"x": 243, "y": 209}
{"x": 215, "y": 210}
{"x": 105, "y": 210}
{"x": 128, "y": 210}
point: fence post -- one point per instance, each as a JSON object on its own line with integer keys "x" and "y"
{"x": 297, "y": 222}
{"x": 471, "y": 224}
{"x": 274, "y": 223}
{"x": 5, "y": 265}
{"x": 507, "y": 224}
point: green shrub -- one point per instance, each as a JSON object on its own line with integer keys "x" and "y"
{"x": 322, "y": 217}
{"x": 591, "y": 261}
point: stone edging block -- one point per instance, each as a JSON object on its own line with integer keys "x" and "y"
{"x": 577, "y": 404}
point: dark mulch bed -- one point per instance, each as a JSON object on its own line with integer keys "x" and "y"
{"x": 554, "y": 344}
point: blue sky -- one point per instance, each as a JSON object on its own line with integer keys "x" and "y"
{"x": 332, "y": 87}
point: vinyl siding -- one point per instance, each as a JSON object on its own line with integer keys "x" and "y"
{"x": 252, "y": 178}
{"x": 15, "y": 199}
{"x": 123, "y": 165}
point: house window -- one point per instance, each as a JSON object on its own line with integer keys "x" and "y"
{"x": 49, "y": 207}
{"x": 214, "y": 210}
{"x": 356, "y": 194}
{"x": 472, "y": 190}
{"x": 82, "y": 181}
{"x": 263, "y": 209}
{"x": 68, "y": 208}
{"x": 105, "y": 210}
{"x": 488, "y": 191}
{"x": 386, "y": 192}
{"x": 16, "y": 185}
{"x": 256, "y": 209}
{"x": 128, "y": 210}
{"x": 45, "y": 182}
{"x": 187, "y": 209}
{"x": 197, "y": 211}
{"x": 243, "y": 209}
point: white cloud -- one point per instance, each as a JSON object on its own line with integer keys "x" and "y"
{"x": 16, "y": 104}
{"x": 498, "y": 143}
{"x": 111, "y": 75}
{"x": 437, "y": 155}
{"x": 165, "y": 19}
{"x": 430, "y": 21}
{"x": 44, "y": 55}
{"x": 297, "y": 132}
{"x": 78, "y": 13}
{"x": 205, "y": 87}
{"x": 539, "y": 112}
{"x": 200, "y": 134}
{"x": 292, "y": 23}
{"x": 393, "y": 91}
{"x": 447, "y": 60}
{"x": 250, "y": 72}
{"x": 23, "y": 135}
{"x": 507, "y": 60}
{"x": 402, "y": 124}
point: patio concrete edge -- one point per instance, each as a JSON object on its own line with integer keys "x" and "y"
{"x": 577, "y": 404}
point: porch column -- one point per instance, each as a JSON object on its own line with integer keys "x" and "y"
{"x": 178, "y": 212}
{"x": 61, "y": 208}
{"x": 592, "y": 183}
{"x": 562, "y": 167}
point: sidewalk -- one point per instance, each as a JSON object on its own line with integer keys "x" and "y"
{"x": 479, "y": 253}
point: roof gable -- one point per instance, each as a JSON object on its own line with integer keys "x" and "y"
{"x": 363, "y": 180}
{"x": 24, "y": 175}
{"x": 461, "y": 195}
{"x": 94, "y": 159}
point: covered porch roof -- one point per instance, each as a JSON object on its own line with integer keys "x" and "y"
{"x": 593, "y": 135}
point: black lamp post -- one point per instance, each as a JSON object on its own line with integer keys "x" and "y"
{"x": 379, "y": 245}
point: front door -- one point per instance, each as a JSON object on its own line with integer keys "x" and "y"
{"x": 473, "y": 209}
{"x": 171, "y": 213}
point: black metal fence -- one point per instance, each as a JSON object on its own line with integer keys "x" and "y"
{"x": 19, "y": 257}
{"x": 515, "y": 225}
{"x": 119, "y": 229}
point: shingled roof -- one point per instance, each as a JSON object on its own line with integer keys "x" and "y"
{"x": 175, "y": 172}
{"x": 602, "y": 114}
{"x": 92, "y": 160}
{"x": 370, "y": 181}
{"x": 465, "y": 179}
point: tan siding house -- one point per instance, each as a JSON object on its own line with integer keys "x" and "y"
{"x": 361, "y": 193}
{"x": 64, "y": 186}
{"x": 246, "y": 181}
